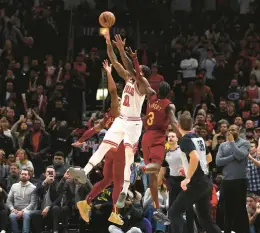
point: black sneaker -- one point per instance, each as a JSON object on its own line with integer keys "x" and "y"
{"x": 121, "y": 200}
{"x": 159, "y": 216}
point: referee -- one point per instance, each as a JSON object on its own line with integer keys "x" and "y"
{"x": 196, "y": 187}
{"x": 174, "y": 163}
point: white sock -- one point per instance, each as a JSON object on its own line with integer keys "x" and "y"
{"x": 129, "y": 159}
{"x": 97, "y": 157}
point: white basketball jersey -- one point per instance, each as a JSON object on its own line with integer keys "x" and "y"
{"x": 132, "y": 101}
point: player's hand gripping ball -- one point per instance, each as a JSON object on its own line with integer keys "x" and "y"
{"x": 107, "y": 19}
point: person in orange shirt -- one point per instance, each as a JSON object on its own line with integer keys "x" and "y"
{"x": 200, "y": 91}
{"x": 155, "y": 79}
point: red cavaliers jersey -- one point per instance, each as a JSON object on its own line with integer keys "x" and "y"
{"x": 108, "y": 119}
{"x": 156, "y": 116}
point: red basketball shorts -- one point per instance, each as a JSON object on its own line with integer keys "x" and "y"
{"x": 153, "y": 146}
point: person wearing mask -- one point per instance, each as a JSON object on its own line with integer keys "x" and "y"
{"x": 188, "y": 66}
{"x": 174, "y": 163}
{"x": 37, "y": 146}
{"x": 59, "y": 165}
{"x": 21, "y": 201}
{"x": 49, "y": 202}
{"x": 13, "y": 177}
{"x": 233, "y": 157}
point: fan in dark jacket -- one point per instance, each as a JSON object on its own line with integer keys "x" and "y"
{"x": 37, "y": 146}
{"x": 72, "y": 192}
{"x": 49, "y": 203}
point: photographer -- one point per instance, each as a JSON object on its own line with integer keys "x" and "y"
{"x": 49, "y": 203}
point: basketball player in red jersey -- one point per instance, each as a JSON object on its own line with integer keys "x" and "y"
{"x": 160, "y": 112}
{"x": 113, "y": 170}
{"x": 128, "y": 126}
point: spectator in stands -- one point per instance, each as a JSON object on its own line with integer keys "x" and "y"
{"x": 234, "y": 92}
{"x": 22, "y": 159}
{"x": 13, "y": 177}
{"x": 94, "y": 65}
{"x": 155, "y": 79}
{"x": 255, "y": 115}
{"x": 61, "y": 139}
{"x": 149, "y": 206}
{"x": 132, "y": 215}
{"x": 209, "y": 64}
{"x": 49, "y": 203}
{"x": 221, "y": 112}
{"x": 253, "y": 170}
{"x": 200, "y": 91}
{"x": 37, "y": 146}
{"x": 21, "y": 201}
{"x": 18, "y": 131}
{"x": 6, "y": 143}
{"x": 233, "y": 157}
{"x": 3, "y": 210}
{"x": 253, "y": 211}
{"x": 72, "y": 193}
{"x": 239, "y": 122}
{"x": 231, "y": 112}
{"x": 253, "y": 90}
{"x": 59, "y": 165}
{"x": 4, "y": 169}
{"x": 223, "y": 129}
{"x": 188, "y": 66}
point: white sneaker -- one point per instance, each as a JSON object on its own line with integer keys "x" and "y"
{"x": 3, "y": 231}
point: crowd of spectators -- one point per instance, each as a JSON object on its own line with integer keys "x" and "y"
{"x": 211, "y": 58}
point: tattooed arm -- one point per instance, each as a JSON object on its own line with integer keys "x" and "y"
{"x": 122, "y": 72}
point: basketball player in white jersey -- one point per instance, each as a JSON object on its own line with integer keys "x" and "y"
{"x": 128, "y": 126}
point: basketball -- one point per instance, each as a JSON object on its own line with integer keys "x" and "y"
{"x": 107, "y": 19}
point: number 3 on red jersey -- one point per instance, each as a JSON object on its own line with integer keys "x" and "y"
{"x": 126, "y": 101}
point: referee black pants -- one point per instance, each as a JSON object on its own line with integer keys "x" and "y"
{"x": 174, "y": 183}
{"x": 200, "y": 195}
{"x": 233, "y": 194}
